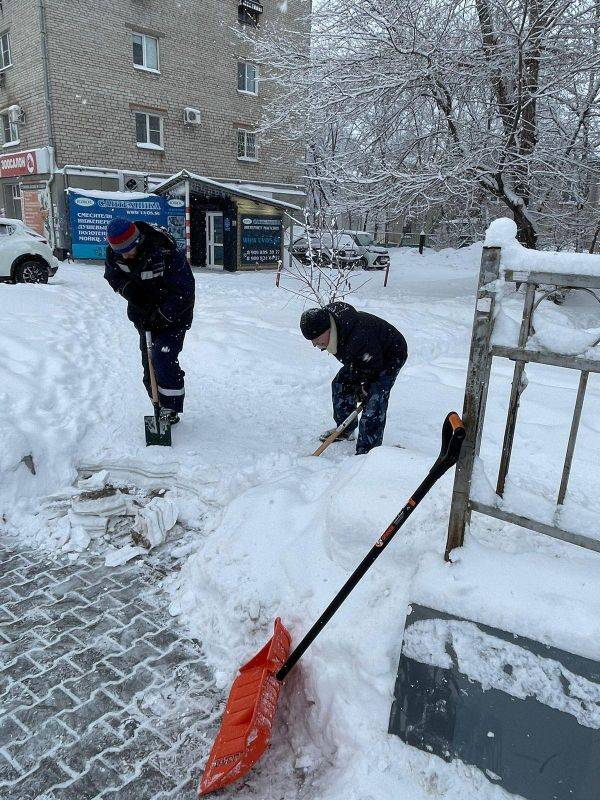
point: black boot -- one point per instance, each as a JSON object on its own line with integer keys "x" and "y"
{"x": 343, "y": 437}
{"x": 170, "y": 416}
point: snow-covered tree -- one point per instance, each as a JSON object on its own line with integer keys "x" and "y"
{"x": 413, "y": 105}
{"x": 316, "y": 267}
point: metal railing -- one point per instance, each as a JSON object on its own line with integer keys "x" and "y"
{"x": 478, "y": 375}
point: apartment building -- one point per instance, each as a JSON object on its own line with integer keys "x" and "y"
{"x": 120, "y": 94}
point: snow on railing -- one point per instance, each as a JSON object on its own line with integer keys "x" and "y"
{"x": 503, "y": 233}
{"x": 509, "y": 324}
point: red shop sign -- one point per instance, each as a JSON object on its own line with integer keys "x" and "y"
{"x": 14, "y": 164}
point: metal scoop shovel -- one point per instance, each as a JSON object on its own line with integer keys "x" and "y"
{"x": 158, "y": 431}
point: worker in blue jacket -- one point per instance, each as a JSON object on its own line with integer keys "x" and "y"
{"x": 372, "y": 352}
{"x": 144, "y": 265}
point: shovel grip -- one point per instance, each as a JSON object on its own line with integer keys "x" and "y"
{"x": 455, "y": 421}
{"x": 153, "y": 384}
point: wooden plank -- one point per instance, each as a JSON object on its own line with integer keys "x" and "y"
{"x": 515, "y": 391}
{"x": 583, "y": 379}
{"x": 551, "y": 359}
{"x": 552, "y": 279}
{"x": 535, "y": 525}
{"x": 478, "y": 375}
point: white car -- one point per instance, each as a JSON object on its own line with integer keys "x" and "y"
{"x": 25, "y": 256}
{"x": 347, "y": 249}
{"x": 373, "y": 255}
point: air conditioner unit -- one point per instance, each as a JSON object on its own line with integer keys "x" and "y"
{"x": 16, "y": 114}
{"x": 192, "y": 116}
{"x": 134, "y": 183}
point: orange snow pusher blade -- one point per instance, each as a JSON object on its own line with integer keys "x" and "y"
{"x": 246, "y": 727}
{"x": 245, "y": 731}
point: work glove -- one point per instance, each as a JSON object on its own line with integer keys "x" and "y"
{"x": 156, "y": 321}
{"x": 134, "y": 294}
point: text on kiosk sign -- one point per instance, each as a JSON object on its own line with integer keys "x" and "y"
{"x": 16, "y": 164}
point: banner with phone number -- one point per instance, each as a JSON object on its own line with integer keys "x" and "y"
{"x": 91, "y": 213}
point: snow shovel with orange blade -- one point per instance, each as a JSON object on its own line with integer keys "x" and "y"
{"x": 245, "y": 731}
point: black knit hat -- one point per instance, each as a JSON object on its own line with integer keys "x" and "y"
{"x": 314, "y": 322}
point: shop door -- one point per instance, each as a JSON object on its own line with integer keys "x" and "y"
{"x": 214, "y": 239}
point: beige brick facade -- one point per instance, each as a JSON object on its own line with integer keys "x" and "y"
{"x": 23, "y": 82}
{"x": 95, "y": 88}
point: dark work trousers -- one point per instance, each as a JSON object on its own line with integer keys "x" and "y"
{"x": 346, "y": 395}
{"x": 166, "y": 347}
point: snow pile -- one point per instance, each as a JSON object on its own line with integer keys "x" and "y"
{"x": 275, "y": 531}
{"x": 503, "y": 233}
{"x": 520, "y": 582}
{"x": 483, "y": 658}
{"x": 91, "y": 511}
{"x": 154, "y": 520}
{"x": 555, "y": 330}
{"x": 57, "y": 395}
{"x": 15, "y": 448}
{"x": 73, "y": 403}
{"x": 44, "y": 412}
{"x": 105, "y": 195}
{"x": 285, "y": 549}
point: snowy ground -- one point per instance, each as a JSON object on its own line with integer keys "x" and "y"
{"x": 272, "y": 531}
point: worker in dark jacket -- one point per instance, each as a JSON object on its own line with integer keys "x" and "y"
{"x": 144, "y": 265}
{"x": 372, "y": 351}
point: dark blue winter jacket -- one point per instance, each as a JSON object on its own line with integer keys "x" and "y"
{"x": 367, "y": 346}
{"x": 158, "y": 279}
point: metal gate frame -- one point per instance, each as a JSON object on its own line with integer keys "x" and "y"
{"x": 478, "y": 376}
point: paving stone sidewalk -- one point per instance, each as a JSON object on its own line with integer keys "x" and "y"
{"x": 102, "y": 695}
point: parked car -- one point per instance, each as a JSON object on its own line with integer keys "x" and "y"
{"x": 346, "y": 249}
{"x": 25, "y": 255}
{"x": 373, "y": 255}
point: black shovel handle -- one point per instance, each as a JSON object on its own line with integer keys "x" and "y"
{"x": 453, "y": 434}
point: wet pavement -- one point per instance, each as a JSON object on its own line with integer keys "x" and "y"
{"x": 103, "y": 696}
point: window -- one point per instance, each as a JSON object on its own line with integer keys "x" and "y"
{"x": 247, "y": 78}
{"x": 249, "y": 12}
{"x": 5, "y": 51}
{"x": 10, "y": 130}
{"x": 145, "y": 52}
{"x": 247, "y": 145}
{"x": 149, "y": 131}
{"x": 15, "y": 199}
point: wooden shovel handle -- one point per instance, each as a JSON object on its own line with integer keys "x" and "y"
{"x": 151, "y": 368}
{"x": 340, "y": 429}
